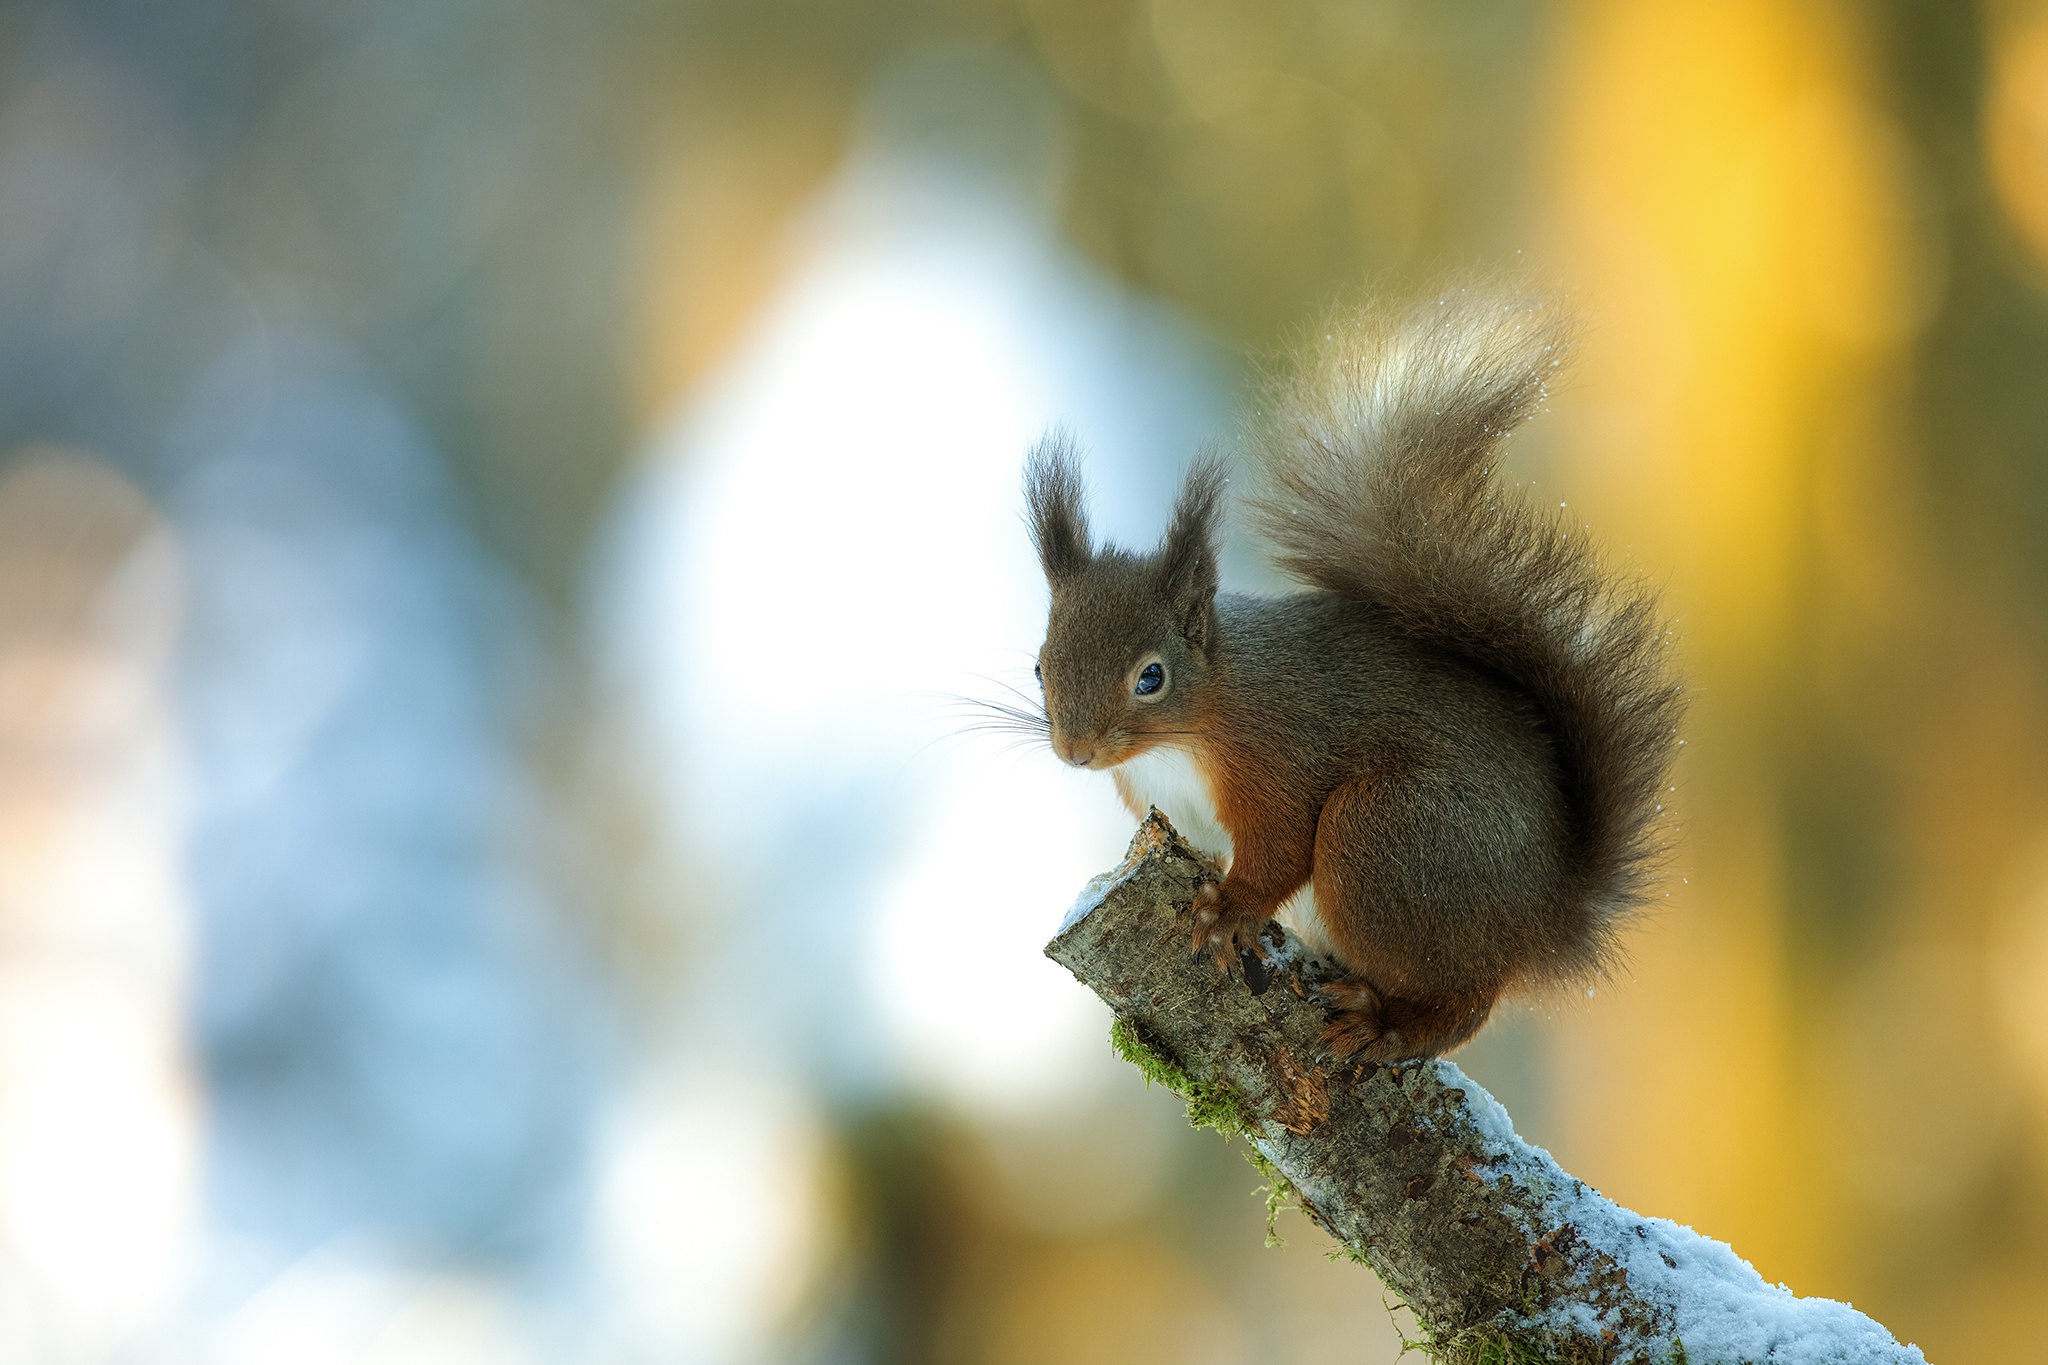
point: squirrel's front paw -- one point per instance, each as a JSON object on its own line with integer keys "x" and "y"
{"x": 1224, "y": 929}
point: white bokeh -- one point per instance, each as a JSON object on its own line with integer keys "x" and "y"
{"x": 826, "y": 545}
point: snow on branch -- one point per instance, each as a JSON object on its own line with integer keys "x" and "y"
{"x": 1415, "y": 1170}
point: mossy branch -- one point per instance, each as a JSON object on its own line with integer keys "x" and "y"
{"x": 1414, "y": 1170}
{"x": 1211, "y": 1104}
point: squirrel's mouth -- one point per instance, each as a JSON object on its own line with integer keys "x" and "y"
{"x": 1117, "y": 749}
{"x": 1105, "y": 749}
{"x": 1097, "y": 754}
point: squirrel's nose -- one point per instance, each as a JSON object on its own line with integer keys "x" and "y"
{"x": 1078, "y": 753}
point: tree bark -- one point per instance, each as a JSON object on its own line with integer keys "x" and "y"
{"x": 1414, "y": 1169}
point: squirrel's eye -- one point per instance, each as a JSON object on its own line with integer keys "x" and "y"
{"x": 1151, "y": 680}
{"x": 1038, "y": 672}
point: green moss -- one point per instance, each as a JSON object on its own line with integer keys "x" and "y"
{"x": 1492, "y": 1346}
{"x": 1211, "y": 1104}
{"x": 1279, "y": 1193}
{"x": 1474, "y": 1345}
{"x": 1489, "y": 1345}
{"x": 1133, "y": 1046}
{"x": 1478, "y": 1346}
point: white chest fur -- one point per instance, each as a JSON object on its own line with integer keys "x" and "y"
{"x": 1168, "y": 778}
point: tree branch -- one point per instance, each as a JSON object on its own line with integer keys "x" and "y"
{"x": 1415, "y": 1170}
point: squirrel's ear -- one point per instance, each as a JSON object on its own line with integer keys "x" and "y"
{"x": 1052, "y": 495}
{"x": 1187, "y": 557}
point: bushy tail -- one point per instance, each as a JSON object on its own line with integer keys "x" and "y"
{"x": 1376, "y": 457}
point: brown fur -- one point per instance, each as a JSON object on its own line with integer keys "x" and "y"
{"x": 1457, "y": 735}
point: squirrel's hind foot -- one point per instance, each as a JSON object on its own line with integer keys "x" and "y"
{"x": 1354, "y": 1025}
{"x": 1367, "y": 1027}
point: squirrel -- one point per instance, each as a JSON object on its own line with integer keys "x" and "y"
{"x": 1446, "y": 753}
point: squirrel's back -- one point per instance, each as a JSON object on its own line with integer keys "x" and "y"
{"x": 1377, "y": 483}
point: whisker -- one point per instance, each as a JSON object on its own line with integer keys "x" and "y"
{"x": 1024, "y": 744}
{"x": 1019, "y": 718}
{"x": 1014, "y": 724}
{"x": 1034, "y": 735}
{"x": 1025, "y": 726}
{"x": 1032, "y": 713}
{"x": 1029, "y": 699}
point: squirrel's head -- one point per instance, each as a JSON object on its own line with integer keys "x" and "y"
{"x": 1128, "y": 640}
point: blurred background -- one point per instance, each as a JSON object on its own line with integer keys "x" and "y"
{"x": 495, "y": 498}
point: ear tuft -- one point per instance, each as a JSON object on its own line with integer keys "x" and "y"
{"x": 1056, "y": 505}
{"x": 1187, "y": 557}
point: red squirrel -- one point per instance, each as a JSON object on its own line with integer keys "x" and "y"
{"x": 1448, "y": 751}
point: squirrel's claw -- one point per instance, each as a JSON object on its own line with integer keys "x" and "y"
{"x": 1341, "y": 994}
{"x": 1348, "y": 1035}
{"x": 1223, "y": 931}
{"x": 1356, "y": 1029}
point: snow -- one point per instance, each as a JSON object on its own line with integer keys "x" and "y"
{"x": 1718, "y": 1306}
{"x": 1092, "y": 895}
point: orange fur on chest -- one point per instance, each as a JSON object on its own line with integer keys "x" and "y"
{"x": 1261, "y": 801}
{"x": 1203, "y": 784}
